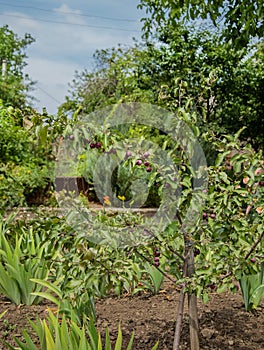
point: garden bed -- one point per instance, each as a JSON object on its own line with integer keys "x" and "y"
{"x": 224, "y": 324}
{"x": 31, "y": 212}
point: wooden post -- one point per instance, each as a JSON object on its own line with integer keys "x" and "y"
{"x": 177, "y": 334}
{"x": 192, "y": 307}
{"x": 3, "y": 69}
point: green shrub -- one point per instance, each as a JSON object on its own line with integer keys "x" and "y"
{"x": 21, "y": 261}
{"x": 24, "y": 163}
{"x": 18, "y": 183}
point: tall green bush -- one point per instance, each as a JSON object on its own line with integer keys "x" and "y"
{"x": 24, "y": 162}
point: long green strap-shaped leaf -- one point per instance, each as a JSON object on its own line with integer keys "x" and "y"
{"x": 22, "y": 278}
{"x": 47, "y": 296}
{"x": 29, "y": 342}
{"x": 62, "y": 338}
{"x": 99, "y": 346}
{"x": 93, "y": 335}
{"x": 252, "y": 287}
{"x": 118, "y": 345}
{"x": 78, "y": 337}
{"x": 3, "y": 314}
{"x": 9, "y": 287}
{"x": 155, "y": 347}
{"x": 107, "y": 339}
{"x": 56, "y": 335}
{"x": 63, "y": 335}
{"x": 84, "y": 344}
{"x": 257, "y": 296}
{"x": 22, "y": 346}
{"x": 130, "y": 344}
{"x": 245, "y": 290}
{"x": 38, "y": 328}
{"x": 16, "y": 281}
{"x": 49, "y": 339}
{"x": 50, "y": 286}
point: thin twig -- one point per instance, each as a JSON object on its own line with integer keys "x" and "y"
{"x": 150, "y": 262}
{"x": 254, "y": 246}
{"x": 151, "y": 234}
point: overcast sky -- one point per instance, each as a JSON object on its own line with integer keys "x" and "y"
{"x": 67, "y": 33}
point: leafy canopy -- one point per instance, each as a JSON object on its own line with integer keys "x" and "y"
{"x": 240, "y": 19}
{"x": 14, "y": 85}
{"x": 223, "y": 84}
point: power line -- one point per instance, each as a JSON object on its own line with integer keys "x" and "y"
{"x": 73, "y": 24}
{"x": 71, "y": 13}
{"x": 46, "y": 93}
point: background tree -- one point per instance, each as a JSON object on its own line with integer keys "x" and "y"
{"x": 121, "y": 74}
{"x": 224, "y": 84}
{"x": 240, "y": 20}
{"x": 14, "y": 84}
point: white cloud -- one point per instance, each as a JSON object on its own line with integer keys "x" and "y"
{"x": 70, "y": 15}
{"x": 60, "y": 49}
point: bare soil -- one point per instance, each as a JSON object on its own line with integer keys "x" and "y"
{"x": 224, "y": 324}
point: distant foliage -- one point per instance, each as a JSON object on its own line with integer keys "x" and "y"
{"x": 240, "y": 20}
{"x": 14, "y": 85}
{"x": 181, "y": 67}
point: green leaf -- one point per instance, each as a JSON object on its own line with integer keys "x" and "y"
{"x": 3, "y": 314}
{"x": 257, "y": 296}
{"x": 93, "y": 335}
{"x": 118, "y": 345}
{"x": 51, "y": 286}
{"x": 63, "y": 334}
{"x": 244, "y": 285}
{"x": 49, "y": 337}
{"x": 222, "y": 288}
{"x": 239, "y": 132}
{"x": 29, "y": 342}
{"x": 107, "y": 339}
{"x": 130, "y": 344}
{"x": 47, "y": 296}
{"x": 100, "y": 346}
{"x": 220, "y": 158}
{"x": 155, "y": 347}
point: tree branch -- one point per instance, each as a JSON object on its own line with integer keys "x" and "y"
{"x": 254, "y": 246}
